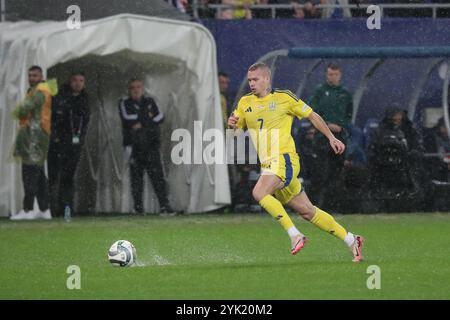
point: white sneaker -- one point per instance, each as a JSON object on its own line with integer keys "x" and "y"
{"x": 167, "y": 212}
{"x": 31, "y": 215}
{"x": 18, "y": 216}
{"x": 24, "y": 215}
{"x": 46, "y": 215}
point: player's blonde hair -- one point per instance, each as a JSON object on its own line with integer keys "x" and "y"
{"x": 261, "y": 66}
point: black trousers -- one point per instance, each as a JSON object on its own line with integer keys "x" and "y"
{"x": 62, "y": 163}
{"x": 35, "y": 186}
{"x": 150, "y": 163}
{"x": 326, "y": 178}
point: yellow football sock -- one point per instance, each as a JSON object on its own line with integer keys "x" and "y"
{"x": 276, "y": 210}
{"x": 327, "y": 223}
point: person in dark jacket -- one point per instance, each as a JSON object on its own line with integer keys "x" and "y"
{"x": 141, "y": 117}
{"x": 70, "y": 119}
{"x": 397, "y": 146}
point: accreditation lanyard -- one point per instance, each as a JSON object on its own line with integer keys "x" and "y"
{"x": 76, "y": 132}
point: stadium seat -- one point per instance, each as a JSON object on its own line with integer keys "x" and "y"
{"x": 355, "y": 146}
{"x": 370, "y": 126}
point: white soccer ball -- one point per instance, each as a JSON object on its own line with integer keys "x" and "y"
{"x": 122, "y": 253}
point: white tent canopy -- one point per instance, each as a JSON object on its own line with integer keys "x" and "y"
{"x": 176, "y": 59}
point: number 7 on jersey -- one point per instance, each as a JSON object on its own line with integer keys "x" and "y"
{"x": 262, "y": 122}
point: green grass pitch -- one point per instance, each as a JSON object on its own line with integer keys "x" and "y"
{"x": 228, "y": 256}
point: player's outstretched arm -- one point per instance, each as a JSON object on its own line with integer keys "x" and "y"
{"x": 321, "y": 125}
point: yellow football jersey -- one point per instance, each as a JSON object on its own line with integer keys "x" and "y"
{"x": 269, "y": 121}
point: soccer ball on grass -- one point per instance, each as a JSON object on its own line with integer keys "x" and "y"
{"x": 122, "y": 253}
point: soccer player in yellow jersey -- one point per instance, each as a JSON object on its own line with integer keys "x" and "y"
{"x": 268, "y": 115}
